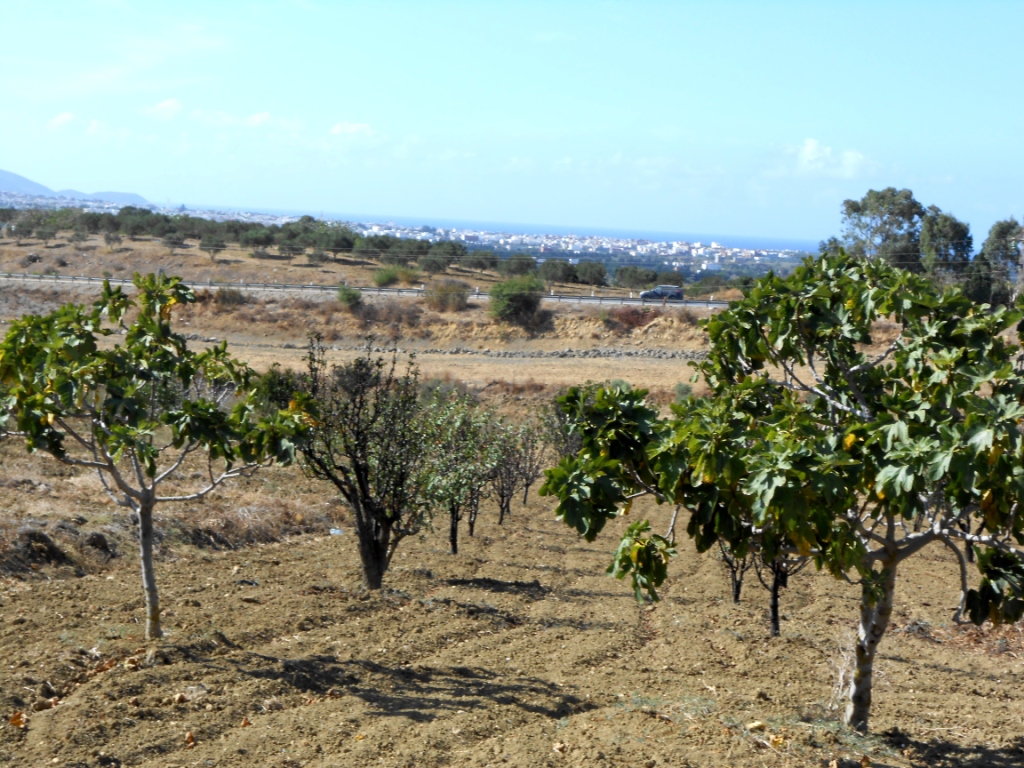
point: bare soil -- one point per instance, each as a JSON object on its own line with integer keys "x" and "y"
{"x": 519, "y": 651}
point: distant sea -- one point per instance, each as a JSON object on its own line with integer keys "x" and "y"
{"x": 731, "y": 241}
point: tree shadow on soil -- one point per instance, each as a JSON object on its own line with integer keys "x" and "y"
{"x": 531, "y": 589}
{"x": 419, "y": 694}
{"x": 947, "y": 754}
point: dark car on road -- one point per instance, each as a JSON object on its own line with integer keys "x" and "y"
{"x": 662, "y": 292}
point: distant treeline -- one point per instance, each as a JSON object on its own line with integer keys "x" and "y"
{"x": 321, "y": 241}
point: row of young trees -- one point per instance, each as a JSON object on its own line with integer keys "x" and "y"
{"x": 399, "y": 453}
{"x": 112, "y": 388}
{"x": 808, "y": 448}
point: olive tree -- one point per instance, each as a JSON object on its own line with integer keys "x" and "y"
{"x": 821, "y": 440}
{"x": 135, "y": 411}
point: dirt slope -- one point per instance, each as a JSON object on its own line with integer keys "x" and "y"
{"x": 518, "y": 651}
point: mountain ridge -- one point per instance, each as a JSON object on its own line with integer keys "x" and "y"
{"x": 20, "y": 185}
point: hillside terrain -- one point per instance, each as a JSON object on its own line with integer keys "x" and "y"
{"x": 518, "y": 651}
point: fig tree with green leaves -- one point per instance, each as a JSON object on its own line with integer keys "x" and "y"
{"x": 854, "y": 418}
{"x": 132, "y": 402}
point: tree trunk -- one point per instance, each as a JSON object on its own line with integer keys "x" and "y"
{"x": 778, "y": 577}
{"x": 504, "y": 508}
{"x": 526, "y": 492}
{"x": 474, "y": 510}
{"x": 873, "y": 622}
{"x": 736, "y": 576}
{"x": 373, "y": 546}
{"x": 153, "y": 630}
{"x": 453, "y": 528}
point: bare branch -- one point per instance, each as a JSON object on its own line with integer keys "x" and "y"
{"x": 962, "y": 562}
{"x": 867, "y": 366}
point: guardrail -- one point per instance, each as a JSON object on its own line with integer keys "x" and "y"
{"x": 416, "y": 292}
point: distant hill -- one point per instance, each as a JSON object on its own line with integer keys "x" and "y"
{"x": 19, "y": 185}
{"x": 122, "y": 198}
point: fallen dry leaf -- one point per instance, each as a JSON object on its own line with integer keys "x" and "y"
{"x": 245, "y": 722}
{"x": 757, "y": 725}
{"x": 560, "y": 747}
{"x": 19, "y": 719}
{"x": 190, "y": 740}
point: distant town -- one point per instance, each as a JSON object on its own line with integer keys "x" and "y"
{"x": 695, "y": 259}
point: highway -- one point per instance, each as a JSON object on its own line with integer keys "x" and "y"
{"x": 321, "y": 290}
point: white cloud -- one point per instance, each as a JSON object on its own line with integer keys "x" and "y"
{"x": 258, "y": 119}
{"x": 225, "y": 120}
{"x": 61, "y": 119}
{"x": 351, "y": 129}
{"x": 165, "y": 110}
{"x": 815, "y": 159}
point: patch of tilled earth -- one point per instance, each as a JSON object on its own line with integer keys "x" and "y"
{"x": 518, "y": 651}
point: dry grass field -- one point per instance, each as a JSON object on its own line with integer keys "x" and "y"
{"x": 518, "y": 651}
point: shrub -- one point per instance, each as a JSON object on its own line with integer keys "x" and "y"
{"x": 393, "y": 274}
{"x": 683, "y": 391}
{"x": 447, "y": 296}
{"x": 230, "y": 297}
{"x": 351, "y": 298}
{"x": 557, "y": 271}
{"x": 317, "y": 257}
{"x": 395, "y": 312}
{"x": 517, "y": 299}
{"x": 635, "y": 277}
{"x": 385, "y": 276}
{"x": 632, "y": 317}
{"x": 433, "y": 263}
{"x": 591, "y": 273}
{"x": 517, "y": 264}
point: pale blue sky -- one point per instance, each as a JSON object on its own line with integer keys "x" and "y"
{"x": 723, "y": 117}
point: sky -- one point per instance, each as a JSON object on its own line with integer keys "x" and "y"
{"x": 741, "y": 118}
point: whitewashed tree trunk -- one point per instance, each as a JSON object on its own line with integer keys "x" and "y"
{"x": 874, "y": 620}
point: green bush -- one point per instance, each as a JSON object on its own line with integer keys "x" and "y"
{"x": 447, "y": 296}
{"x": 591, "y": 273}
{"x": 517, "y": 299}
{"x": 433, "y": 263}
{"x": 683, "y": 391}
{"x": 635, "y": 277}
{"x": 386, "y": 276}
{"x": 393, "y": 274}
{"x": 351, "y": 298}
{"x": 557, "y": 271}
{"x": 517, "y": 264}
